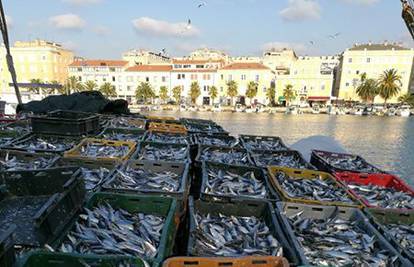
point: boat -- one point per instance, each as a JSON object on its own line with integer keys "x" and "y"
{"x": 240, "y": 108}
{"x": 193, "y": 108}
{"x": 357, "y": 111}
{"x": 316, "y": 109}
{"x": 391, "y": 112}
{"x": 216, "y": 108}
{"x": 183, "y": 107}
{"x": 293, "y": 110}
{"x": 379, "y": 111}
{"x": 404, "y": 111}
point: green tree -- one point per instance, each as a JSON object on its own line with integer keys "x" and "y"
{"x": 108, "y": 90}
{"x": 408, "y": 98}
{"x": 251, "y": 90}
{"x": 54, "y": 82}
{"x": 144, "y": 91}
{"x": 213, "y": 93}
{"x": 90, "y": 86}
{"x": 367, "y": 89}
{"x": 270, "y": 94}
{"x": 177, "y": 94}
{"x": 289, "y": 94}
{"x": 35, "y": 89}
{"x": 232, "y": 90}
{"x": 195, "y": 92}
{"x": 72, "y": 85}
{"x": 164, "y": 93}
{"x": 389, "y": 84}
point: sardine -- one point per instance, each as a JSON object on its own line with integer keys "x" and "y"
{"x": 167, "y": 138}
{"x": 214, "y": 140}
{"x": 93, "y": 177}
{"x": 52, "y": 143}
{"x": 269, "y": 158}
{"x": 117, "y": 136}
{"x": 403, "y": 234}
{"x": 165, "y": 152}
{"x": 227, "y": 156}
{"x": 12, "y": 163}
{"x": 127, "y": 123}
{"x": 349, "y": 162}
{"x": 264, "y": 144}
{"x": 204, "y": 128}
{"x": 104, "y": 151}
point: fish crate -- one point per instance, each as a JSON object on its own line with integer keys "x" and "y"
{"x": 167, "y": 128}
{"x": 296, "y": 174}
{"x": 53, "y": 259}
{"x": 39, "y": 204}
{"x": 40, "y": 143}
{"x": 198, "y": 121}
{"x": 160, "y": 119}
{"x": 13, "y": 160}
{"x": 163, "y": 152}
{"x": 149, "y": 205}
{"x": 205, "y": 128}
{"x": 320, "y": 159}
{"x": 76, "y": 151}
{"x": 216, "y": 140}
{"x": 127, "y": 123}
{"x": 229, "y": 155}
{"x": 382, "y": 219}
{"x": 129, "y": 135}
{"x": 169, "y": 138}
{"x": 93, "y": 166}
{"x": 289, "y": 158}
{"x": 21, "y": 126}
{"x": 353, "y": 216}
{"x": 259, "y": 174}
{"x": 114, "y": 182}
{"x": 260, "y": 209}
{"x": 255, "y": 142}
{"x": 7, "y": 137}
{"x": 7, "y": 252}
{"x": 65, "y": 122}
{"x": 258, "y": 261}
{"x": 378, "y": 179}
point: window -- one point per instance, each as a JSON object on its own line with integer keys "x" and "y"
{"x": 205, "y": 88}
{"x": 112, "y": 69}
{"x": 178, "y": 76}
{"x": 349, "y": 60}
{"x": 264, "y": 89}
{"x": 322, "y": 87}
{"x": 147, "y": 79}
{"x": 187, "y": 66}
{"x": 199, "y": 66}
{"x": 193, "y": 76}
{"x": 163, "y": 79}
{"x": 357, "y": 72}
{"x": 257, "y": 78}
{"x": 346, "y": 84}
{"x": 176, "y": 66}
{"x": 222, "y": 76}
{"x": 221, "y": 89}
{"x": 129, "y": 88}
{"x": 113, "y": 78}
{"x": 183, "y": 76}
{"x": 80, "y": 78}
{"x": 243, "y": 77}
{"x": 43, "y": 58}
{"x": 368, "y": 60}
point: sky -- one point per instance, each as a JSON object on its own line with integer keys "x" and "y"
{"x": 105, "y": 28}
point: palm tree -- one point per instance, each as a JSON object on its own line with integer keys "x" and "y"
{"x": 35, "y": 89}
{"x": 408, "y": 98}
{"x": 251, "y": 90}
{"x": 232, "y": 90}
{"x": 164, "y": 93}
{"x": 367, "y": 90}
{"x": 213, "y": 93}
{"x": 144, "y": 91}
{"x": 270, "y": 94}
{"x": 177, "y": 94}
{"x": 108, "y": 90}
{"x": 72, "y": 85}
{"x": 195, "y": 92}
{"x": 289, "y": 94}
{"x": 90, "y": 86}
{"x": 389, "y": 84}
{"x": 54, "y": 90}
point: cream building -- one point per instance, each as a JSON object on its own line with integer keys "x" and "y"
{"x": 144, "y": 57}
{"x": 209, "y": 54}
{"x": 373, "y": 59}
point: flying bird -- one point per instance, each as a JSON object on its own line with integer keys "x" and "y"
{"x": 201, "y": 4}
{"x": 164, "y": 51}
{"x": 188, "y": 24}
{"x": 312, "y": 42}
{"x": 334, "y": 36}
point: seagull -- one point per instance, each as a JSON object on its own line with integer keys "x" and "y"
{"x": 188, "y": 24}
{"x": 312, "y": 42}
{"x": 201, "y": 4}
{"x": 164, "y": 51}
{"x": 334, "y": 36}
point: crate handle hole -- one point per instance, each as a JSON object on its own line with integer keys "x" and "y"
{"x": 191, "y": 263}
{"x": 292, "y": 208}
{"x": 342, "y": 211}
{"x": 317, "y": 209}
{"x": 225, "y": 264}
{"x": 259, "y": 262}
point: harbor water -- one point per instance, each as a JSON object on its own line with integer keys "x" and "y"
{"x": 387, "y": 142}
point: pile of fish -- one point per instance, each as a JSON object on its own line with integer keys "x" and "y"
{"x": 131, "y": 123}
{"x": 338, "y": 242}
{"x": 403, "y": 234}
{"x": 122, "y": 136}
{"x": 222, "y": 182}
{"x": 384, "y": 197}
{"x": 203, "y": 128}
{"x": 260, "y": 144}
{"x": 93, "y": 177}
{"x": 104, "y": 151}
{"x": 167, "y": 138}
{"x": 266, "y": 158}
{"x": 13, "y": 163}
{"x": 231, "y": 156}
{"x": 105, "y": 230}
{"x": 5, "y": 140}
{"x": 20, "y": 128}
{"x": 165, "y": 152}
{"x": 312, "y": 189}
{"x": 231, "y": 236}
{"x": 46, "y": 143}
{"x": 211, "y": 140}
{"x": 350, "y": 163}
{"x": 145, "y": 179}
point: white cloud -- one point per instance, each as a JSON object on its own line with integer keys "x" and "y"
{"x": 9, "y": 21}
{"x": 297, "y": 47}
{"x": 82, "y": 2}
{"x": 361, "y": 2}
{"x": 102, "y": 30}
{"x": 70, "y": 45}
{"x": 299, "y": 10}
{"x": 67, "y": 22}
{"x": 156, "y": 27}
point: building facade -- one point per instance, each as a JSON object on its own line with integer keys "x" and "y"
{"x": 144, "y": 57}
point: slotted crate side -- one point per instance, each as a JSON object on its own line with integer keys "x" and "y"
{"x": 323, "y": 212}
{"x": 27, "y": 156}
{"x": 152, "y": 137}
{"x": 308, "y": 174}
{"x": 167, "y": 128}
{"x": 201, "y": 149}
{"x": 246, "y": 138}
{"x": 240, "y": 170}
{"x": 161, "y": 206}
{"x": 134, "y": 123}
{"x": 242, "y": 208}
{"x": 19, "y": 141}
{"x": 230, "y": 140}
{"x": 255, "y": 156}
{"x": 139, "y": 133}
{"x": 227, "y": 261}
{"x": 7, "y": 253}
{"x": 141, "y": 149}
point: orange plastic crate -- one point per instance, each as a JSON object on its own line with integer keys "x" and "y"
{"x": 226, "y": 261}
{"x": 167, "y": 128}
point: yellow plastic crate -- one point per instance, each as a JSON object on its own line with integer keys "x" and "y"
{"x": 160, "y": 118}
{"x": 308, "y": 174}
{"x": 167, "y": 128}
{"x": 75, "y": 152}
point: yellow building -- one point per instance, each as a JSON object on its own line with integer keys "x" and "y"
{"x": 373, "y": 59}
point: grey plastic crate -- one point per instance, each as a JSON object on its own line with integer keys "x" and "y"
{"x": 22, "y": 144}
{"x": 255, "y": 142}
{"x": 322, "y": 212}
{"x": 205, "y": 151}
{"x": 216, "y": 140}
{"x": 142, "y": 152}
{"x": 278, "y": 158}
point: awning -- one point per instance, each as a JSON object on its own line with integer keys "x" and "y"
{"x": 319, "y": 98}
{"x": 282, "y": 98}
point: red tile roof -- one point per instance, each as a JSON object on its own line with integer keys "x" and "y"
{"x": 98, "y": 63}
{"x": 245, "y": 66}
{"x": 194, "y": 61}
{"x": 150, "y": 68}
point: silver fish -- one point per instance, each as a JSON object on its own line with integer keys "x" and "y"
{"x": 105, "y": 151}
{"x": 12, "y": 163}
{"x": 384, "y": 197}
{"x": 166, "y": 152}
{"x": 269, "y": 158}
{"x": 117, "y": 136}
{"x": 144, "y": 179}
{"x": 403, "y": 234}
{"x": 263, "y": 144}
{"x": 227, "y": 156}
{"x": 52, "y": 143}
{"x": 223, "y": 182}
{"x": 214, "y": 140}
{"x": 349, "y": 162}
{"x": 232, "y": 236}
{"x": 93, "y": 177}
{"x": 127, "y": 123}
{"x": 167, "y": 138}
{"x": 204, "y": 128}
{"x": 313, "y": 189}
{"x": 105, "y": 230}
